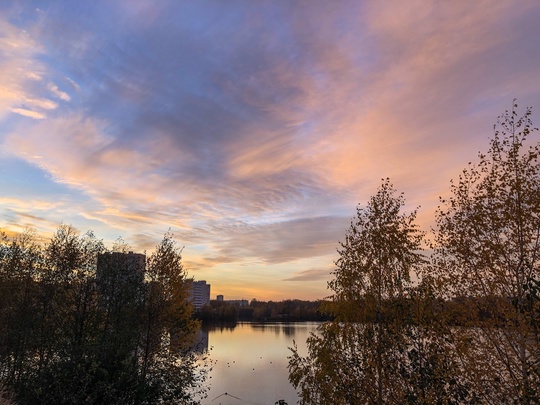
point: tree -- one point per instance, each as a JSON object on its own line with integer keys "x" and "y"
{"x": 169, "y": 364}
{"x": 488, "y": 250}
{"x": 354, "y": 358}
{"x": 79, "y": 324}
{"x": 21, "y": 315}
{"x": 430, "y": 370}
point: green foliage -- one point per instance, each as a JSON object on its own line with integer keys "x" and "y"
{"x": 75, "y": 331}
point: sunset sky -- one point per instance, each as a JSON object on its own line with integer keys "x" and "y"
{"x": 250, "y": 129}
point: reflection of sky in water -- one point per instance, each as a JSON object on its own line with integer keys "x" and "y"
{"x": 251, "y": 362}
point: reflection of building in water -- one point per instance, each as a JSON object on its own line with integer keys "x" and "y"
{"x": 201, "y": 341}
{"x": 199, "y": 293}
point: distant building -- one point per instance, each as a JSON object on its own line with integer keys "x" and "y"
{"x": 120, "y": 276}
{"x": 199, "y": 293}
{"x": 120, "y": 267}
{"x": 240, "y": 303}
{"x": 219, "y": 297}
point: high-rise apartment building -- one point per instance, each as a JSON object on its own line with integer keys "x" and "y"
{"x": 199, "y": 293}
{"x": 120, "y": 276}
{"x": 121, "y": 266}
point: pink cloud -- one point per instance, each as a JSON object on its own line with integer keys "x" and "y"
{"x": 243, "y": 140}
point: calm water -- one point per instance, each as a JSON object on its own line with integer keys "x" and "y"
{"x": 251, "y": 362}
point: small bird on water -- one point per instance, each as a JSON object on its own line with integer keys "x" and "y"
{"x": 227, "y": 394}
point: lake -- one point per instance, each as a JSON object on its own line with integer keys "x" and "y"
{"x": 251, "y": 362}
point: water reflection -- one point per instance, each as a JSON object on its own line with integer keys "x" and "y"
{"x": 201, "y": 341}
{"x": 251, "y": 361}
{"x": 218, "y": 326}
{"x": 288, "y": 330}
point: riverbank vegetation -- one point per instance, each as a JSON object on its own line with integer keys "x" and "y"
{"x": 480, "y": 310}
{"x": 465, "y": 328}
{"x": 263, "y": 311}
{"x": 83, "y": 325}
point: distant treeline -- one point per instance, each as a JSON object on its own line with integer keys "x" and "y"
{"x": 263, "y": 311}
{"x": 458, "y": 311}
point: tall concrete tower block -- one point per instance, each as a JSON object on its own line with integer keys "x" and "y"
{"x": 199, "y": 293}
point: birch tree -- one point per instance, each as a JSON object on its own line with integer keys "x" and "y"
{"x": 356, "y": 358}
{"x": 488, "y": 250}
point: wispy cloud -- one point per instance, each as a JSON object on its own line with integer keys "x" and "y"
{"x": 18, "y": 69}
{"x": 280, "y": 242}
{"x": 310, "y": 275}
{"x": 253, "y": 129}
{"x": 28, "y": 113}
{"x": 23, "y": 90}
{"x": 58, "y": 93}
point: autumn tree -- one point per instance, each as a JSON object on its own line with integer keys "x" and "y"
{"x": 79, "y": 324}
{"x": 355, "y": 358}
{"x": 168, "y": 362}
{"x": 68, "y": 323}
{"x": 488, "y": 250}
{"x": 430, "y": 369}
{"x": 21, "y": 315}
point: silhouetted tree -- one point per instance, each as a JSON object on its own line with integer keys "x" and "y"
{"x": 169, "y": 364}
{"x": 430, "y": 369}
{"x": 488, "y": 249}
{"x": 355, "y": 358}
{"x": 74, "y": 332}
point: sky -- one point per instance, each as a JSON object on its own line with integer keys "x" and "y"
{"x": 251, "y": 130}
